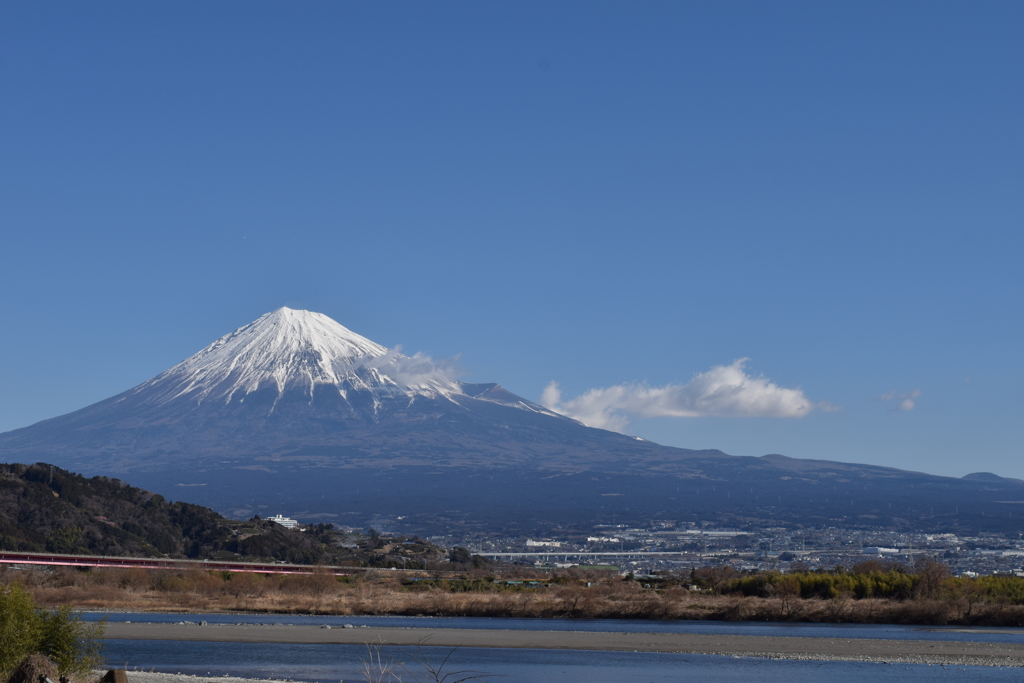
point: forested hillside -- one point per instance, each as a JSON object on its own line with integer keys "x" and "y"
{"x": 47, "y": 509}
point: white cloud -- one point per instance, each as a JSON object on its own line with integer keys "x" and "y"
{"x": 551, "y": 396}
{"x": 418, "y": 369}
{"x": 722, "y": 391}
{"x": 907, "y": 401}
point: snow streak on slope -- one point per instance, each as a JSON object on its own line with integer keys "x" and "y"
{"x": 288, "y": 349}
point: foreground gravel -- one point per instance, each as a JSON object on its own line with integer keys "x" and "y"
{"x": 940, "y": 660}
{"x": 150, "y": 677}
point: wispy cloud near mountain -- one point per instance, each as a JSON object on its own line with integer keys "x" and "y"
{"x": 722, "y": 391}
{"x": 415, "y": 370}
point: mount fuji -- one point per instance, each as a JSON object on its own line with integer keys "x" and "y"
{"x": 295, "y": 413}
{"x": 297, "y": 387}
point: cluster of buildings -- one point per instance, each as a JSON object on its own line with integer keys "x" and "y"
{"x": 667, "y": 547}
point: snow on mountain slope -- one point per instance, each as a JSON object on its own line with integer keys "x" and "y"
{"x": 287, "y": 350}
{"x": 293, "y": 380}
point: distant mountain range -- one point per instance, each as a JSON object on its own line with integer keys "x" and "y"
{"x": 294, "y": 413}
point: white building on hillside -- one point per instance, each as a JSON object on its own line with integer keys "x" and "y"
{"x": 283, "y": 521}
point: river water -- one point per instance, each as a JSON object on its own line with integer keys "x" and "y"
{"x": 333, "y": 663}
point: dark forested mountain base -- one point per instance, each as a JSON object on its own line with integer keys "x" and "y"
{"x": 46, "y": 509}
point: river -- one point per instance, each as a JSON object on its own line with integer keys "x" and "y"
{"x": 333, "y": 663}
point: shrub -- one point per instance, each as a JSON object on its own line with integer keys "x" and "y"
{"x": 71, "y": 643}
{"x": 20, "y": 627}
{"x": 59, "y": 634}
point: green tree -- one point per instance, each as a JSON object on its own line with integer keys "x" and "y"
{"x": 459, "y": 555}
{"x": 60, "y": 634}
{"x": 20, "y": 627}
{"x": 64, "y": 539}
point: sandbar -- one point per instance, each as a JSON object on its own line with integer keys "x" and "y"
{"x": 781, "y": 647}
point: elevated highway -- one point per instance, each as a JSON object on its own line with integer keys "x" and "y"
{"x": 48, "y": 559}
{"x": 619, "y": 554}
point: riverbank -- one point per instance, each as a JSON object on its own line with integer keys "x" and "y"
{"x": 572, "y": 595}
{"x": 154, "y": 677}
{"x": 772, "y": 647}
{"x": 521, "y": 593}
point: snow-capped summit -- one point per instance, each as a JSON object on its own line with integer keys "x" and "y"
{"x": 297, "y": 387}
{"x": 289, "y": 349}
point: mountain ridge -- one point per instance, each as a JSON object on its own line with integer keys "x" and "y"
{"x": 296, "y": 410}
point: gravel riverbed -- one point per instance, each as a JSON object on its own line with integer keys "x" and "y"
{"x": 947, "y": 653}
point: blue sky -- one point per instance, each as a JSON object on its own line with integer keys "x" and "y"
{"x": 605, "y": 195}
